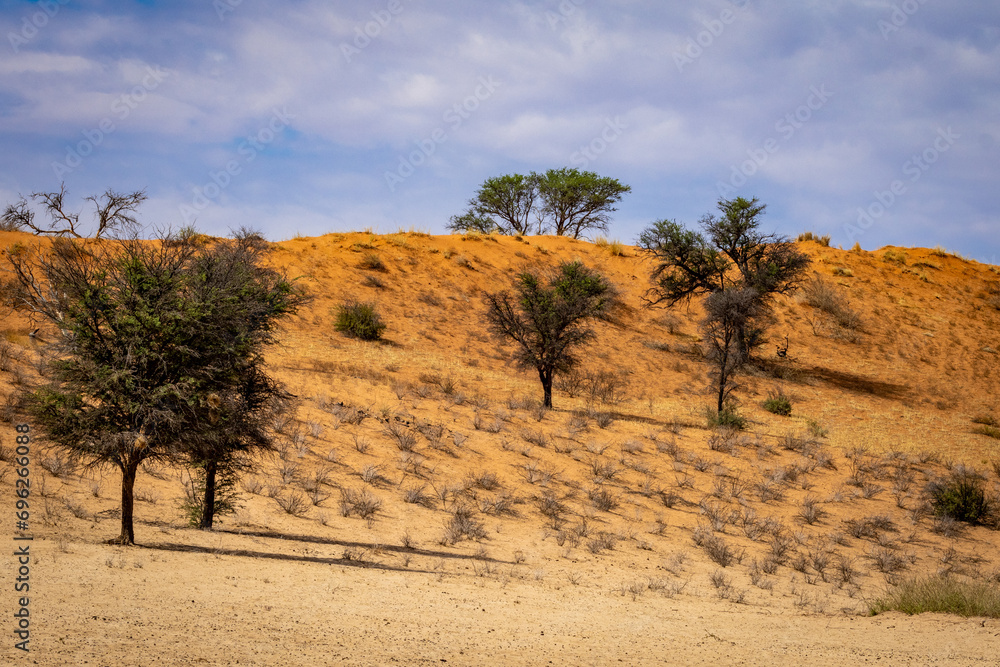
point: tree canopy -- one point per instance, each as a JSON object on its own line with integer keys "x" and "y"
{"x": 544, "y": 318}
{"x": 731, "y": 253}
{"x": 566, "y": 202}
{"x": 575, "y": 202}
{"x": 739, "y": 267}
{"x": 154, "y": 349}
{"x": 502, "y": 203}
{"x": 114, "y": 213}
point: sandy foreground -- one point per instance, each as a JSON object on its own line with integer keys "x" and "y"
{"x": 154, "y": 605}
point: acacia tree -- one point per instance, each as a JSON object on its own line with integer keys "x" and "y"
{"x": 735, "y": 254}
{"x": 118, "y": 359}
{"x": 545, "y": 320}
{"x": 741, "y": 269}
{"x": 156, "y": 351}
{"x": 502, "y": 203}
{"x": 234, "y": 402}
{"x": 574, "y": 202}
{"x": 565, "y": 201}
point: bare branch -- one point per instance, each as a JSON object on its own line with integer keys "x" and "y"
{"x": 116, "y": 211}
{"x": 16, "y": 216}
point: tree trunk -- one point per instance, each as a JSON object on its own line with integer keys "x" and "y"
{"x": 546, "y": 378}
{"x": 127, "y": 536}
{"x": 723, "y": 378}
{"x": 208, "y": 506}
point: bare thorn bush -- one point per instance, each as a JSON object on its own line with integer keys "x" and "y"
{"x": 292, "y": 502}
{"x": 359, "y": 502}
{"x": 404, "y": 439}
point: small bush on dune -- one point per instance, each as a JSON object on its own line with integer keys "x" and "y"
{"x": 809, "y": 236}
{"x": 963, "y": 498}
{"x": 727, "y": 417}
{"x": 372, "y": 262}
{"x": 822, "y": 295}
{"x": 894, "y": 257}
{"x": 360, "y": 320}
{"x": 777, "y": 403}
{"x": 989, "y": 431}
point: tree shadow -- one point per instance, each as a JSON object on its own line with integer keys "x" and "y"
{"x": 312, "y": 539}
{"x": 859, "y": 384}
{"x": 248, "y": 553}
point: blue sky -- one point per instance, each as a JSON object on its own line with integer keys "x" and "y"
{"x": 870, "y": 121}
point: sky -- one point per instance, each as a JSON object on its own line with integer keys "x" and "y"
{"x": 873, "y": 122}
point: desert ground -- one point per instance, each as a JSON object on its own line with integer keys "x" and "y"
{"x": 422, "y": 508}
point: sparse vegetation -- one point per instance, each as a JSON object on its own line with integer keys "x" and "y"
{"x": 809, "y": 236}
{"x": 778, "y": 403}
{"x": 897, "y": 257}
{"x": 360, "y": 319}
{"x": 545, "y": 322}
{"x": 962, "y": 497}
{"x": 726, "y": 417}
{"x": 825, "y": 297}
{"x": 372, "y": 262}
{"x": 943, "y": 595}
{"x": 437, "y": 442}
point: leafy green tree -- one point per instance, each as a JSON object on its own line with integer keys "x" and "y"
{"x": 241, "y": 302}
{"x": 119, "y": 376}
{"x": 734, "y": 254}
{"x": 155, "y": 350}
{"x": 740, "y": 268}
{"x": 565, "y": 201}
{"x": 574, "y": 202}
{"x": 502, "y": 203}
{"x": 544, "y": 318}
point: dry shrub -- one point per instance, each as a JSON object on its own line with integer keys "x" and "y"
{"x": 463, "y": 526}
{"x": 485, "y": 480}
{"x": 604, "y": 470}
{"x": 602, "y": 541}
{"x": 499, "y": 505}
{"x": 359, "y": 502}
{"x": 721, "y": 551}
{"x": 293, "y": 503}
{"x": 602, "y": 499}
{"x": 870, "y": 527}
{"x": 533, "y": 474}
{"x": 810, "y": 511}
{"x": 58, "y": 465}
{"x": 823, "y": 296}
{"x": 886, "y": 560}
{"x": 404, "y": 439}
{"x": 724, "y": 440}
